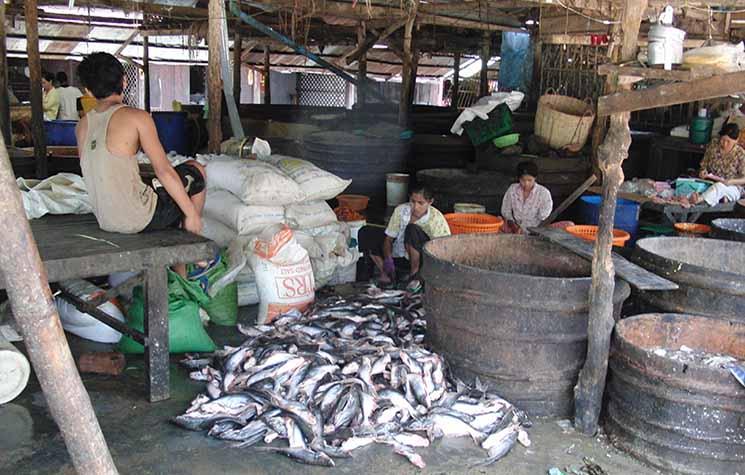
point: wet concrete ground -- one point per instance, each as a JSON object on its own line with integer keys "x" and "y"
{"x": 142, "y": 441}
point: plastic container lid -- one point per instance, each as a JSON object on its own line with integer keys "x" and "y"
{"x": 14, "y": 373}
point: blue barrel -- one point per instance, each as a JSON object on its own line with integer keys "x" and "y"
{"x": 60, "y": 132}
{"x": 172, "y": 131}
{"x": 627, "y": 214}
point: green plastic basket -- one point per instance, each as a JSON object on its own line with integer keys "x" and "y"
{"x": 499, "y": 123}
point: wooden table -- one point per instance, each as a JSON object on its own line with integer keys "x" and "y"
{"x": 73, "y": 246}
{"x": 673, "y": 212}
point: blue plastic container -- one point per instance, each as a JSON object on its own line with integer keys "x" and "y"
{"x": 626, "y": 218}
{"x": 60, "y": 132}
{"x": 172, "y": 131}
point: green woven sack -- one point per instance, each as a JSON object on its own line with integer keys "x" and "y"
{"x": 223, "y": 306}
{"x": 185, "y": 330}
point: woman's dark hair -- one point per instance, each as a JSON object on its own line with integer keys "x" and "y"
{"x": 102, "y": 74}
{"x": 62, "y": 79}
{"x": 422, "y": 190}
{"x": 730, "y": 130}
{"x": 48, "y": 76}
{"x": 527, "y": 168}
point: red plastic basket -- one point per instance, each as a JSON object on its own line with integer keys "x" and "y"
{"x": 589, "y": 233}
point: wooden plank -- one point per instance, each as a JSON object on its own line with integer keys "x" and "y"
{"x": 656, "y": 73}
{"x": 672, "y": 94}
{"x": 485, "y": 55}
{"x": 146, "y": 69}
{"x": 456, "y": 81}
{"x": 34, "y": 67}
{"x": 237, "y": 52}
{"x": 570, "y": 199}
{"x": 403, "y": 106}
{"x": 214, "y": 81}
{"x": 361, "y": 64}
{"x": 636, "y": 276}
{"x": 267, "y": 76}
{"x": 364, "y": 45}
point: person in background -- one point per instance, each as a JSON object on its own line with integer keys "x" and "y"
{"x": 12, "y": 99}
{"x": 724, "y": 164}
{"x": 109, "y": 137}
{"x": 68, "y": 97}
{"x": 526, "y": 204}
{"x": 411, "y": 226}
{"x": 50, "y": 98}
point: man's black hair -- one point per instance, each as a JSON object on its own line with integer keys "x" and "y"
{"x": 424, "y": 191}
{"x": 62, "y": 79}
{"x": 48, "y": 76}
{"x": 730, "y": 130}
{"x": 527, "y": 168}
{"x": 102, "y": 74}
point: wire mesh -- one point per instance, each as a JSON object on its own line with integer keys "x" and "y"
{"x": 322, "y": 90}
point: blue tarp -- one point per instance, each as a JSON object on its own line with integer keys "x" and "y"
{"x": 516, "y": 65}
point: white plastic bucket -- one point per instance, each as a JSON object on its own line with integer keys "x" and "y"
{"x": 396, "y": 188}
{"x": 665, "y": 45}
{"x": 14, "y": 371}
{"x": 354, "y": 230}
{"x": 470, "y": 208}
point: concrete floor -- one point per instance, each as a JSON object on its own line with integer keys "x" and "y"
{"x": 142, "y": 441}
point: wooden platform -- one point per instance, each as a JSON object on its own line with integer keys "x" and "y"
{"x": 73, "y": 246}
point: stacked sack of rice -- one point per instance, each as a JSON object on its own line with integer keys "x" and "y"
{"x": 245, "y": 196}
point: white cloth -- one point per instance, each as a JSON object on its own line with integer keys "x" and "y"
{"x": 484, "y": 106}
{"x": 68, "y": 103}
{"x": 717, "y": 191}
{"x": 527, "y": 212}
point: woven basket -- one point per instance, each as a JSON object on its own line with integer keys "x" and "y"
{"x": 470, "y": 223}
{"x": 562, "y": 121}
{"x": 589, "y": 233}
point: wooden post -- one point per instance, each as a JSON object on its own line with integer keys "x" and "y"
{"x": 146, "y": 68}
{"x": 34, "y": 67}
{"x": 615, "y": 148}
{"x": 412, "y": 80}
{"x": 456, "y": 81}
{"x": 214, "y": 80}
{"x": 485, "y": 56}
{"x": 34, "y": 310}
{"x": 361, "y": 64}
{"x": 267, "y": 76}
{"x": 237, "y": 49}
{"x": 403, "y": 105}
{"x": 4, "y": 98}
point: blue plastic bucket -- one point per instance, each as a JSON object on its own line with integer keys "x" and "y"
{"x": 626, "y": 218}
{"x": 60, "y": 132}
{"x": 172, "y": 131}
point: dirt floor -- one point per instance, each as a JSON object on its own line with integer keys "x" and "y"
{"x": 142, "y": 441}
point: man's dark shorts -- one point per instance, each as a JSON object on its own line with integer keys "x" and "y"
{"x": 167, "y": 212}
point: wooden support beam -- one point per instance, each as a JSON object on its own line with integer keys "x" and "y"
{"x": 456, "y": 81}
{"x": 569, "y": 200}
{"x": 613, "y": 151}
{"x": 672, "y": 94}
{"x": 403, "y": 105}
{"x": 361, "y": 64}
{"x": 34, "y": 67}
{"x": 237, "y": 52}
{"x": 214, "y": 81}
{"x": 267, "y": 77}
{"x": 656, "y": 73}
{"x": 146, "y": 69}
{"x": 412, "y": 79}
{"x": 34, "y": 310}
{"x": 485, "y": 55}
{"x": 363, "y": 47}
{"x": 4, "y": 97}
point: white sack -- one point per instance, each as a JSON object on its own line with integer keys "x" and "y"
{"x": 244, "y": 219}
{"x": 253, "y": 182}
{"x": 213, "y": 229}
{"x": 309, "y": 215}
{"x": 317, "y": 184}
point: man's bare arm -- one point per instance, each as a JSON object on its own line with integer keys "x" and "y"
{"x": 165, "y": 172}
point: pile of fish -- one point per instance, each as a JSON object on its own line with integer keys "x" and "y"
{"x": 347, "y": 373}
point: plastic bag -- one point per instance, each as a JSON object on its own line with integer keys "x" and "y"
{"x": 185, "y": 330}
{"x": 64, "y": 193}
{"x": 284, "y": 273}
{"x": 727, "y": 57}
{"x": 222, "y": 306}
{"x": 80, "y": 323}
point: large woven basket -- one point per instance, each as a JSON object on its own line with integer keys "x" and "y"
{"x": 562, "y": 121}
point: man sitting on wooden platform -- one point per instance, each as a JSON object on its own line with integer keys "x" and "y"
{"x": 109, "y": 137}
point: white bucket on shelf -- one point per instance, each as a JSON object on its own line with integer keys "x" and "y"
{"x": 665, "y": 45}
{"x": 396, "y": 188}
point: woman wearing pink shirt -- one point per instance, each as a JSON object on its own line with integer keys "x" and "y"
{"x": 526, "y": 204}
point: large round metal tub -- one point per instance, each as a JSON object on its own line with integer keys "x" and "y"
{"x": 728, "y": 229}
{"x": 682, "y": 417}
{"x": 511, "y": 310}
{"x": 454, "y": 185}
{"x": 710, "y": 274}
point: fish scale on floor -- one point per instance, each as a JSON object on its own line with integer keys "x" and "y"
{"x": 347, "y": 373}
